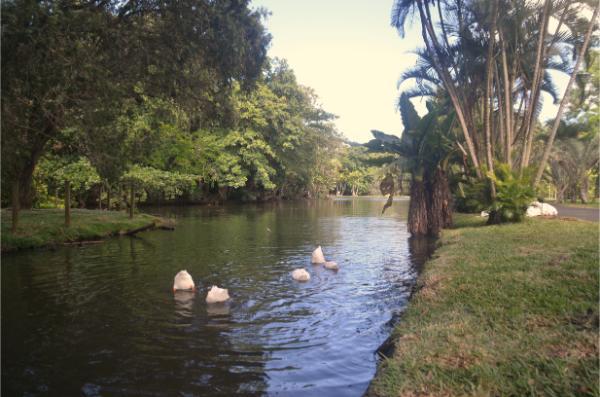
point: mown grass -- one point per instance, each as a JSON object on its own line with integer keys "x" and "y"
{"x": 508, "y": 310}
{"x": 40, "y": 228}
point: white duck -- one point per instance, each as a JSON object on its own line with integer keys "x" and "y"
{"x": 216, "y": 295}
{"x": 331, "y": 265}
{"x": 300, "y": 275}
{"x": 183, "y": 282}
{"x": 317, "y": 256}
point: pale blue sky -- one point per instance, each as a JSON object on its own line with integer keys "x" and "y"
{"x": 348, "y": 52}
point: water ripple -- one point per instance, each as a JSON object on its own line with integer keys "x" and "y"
{"x": 102, "y": 320}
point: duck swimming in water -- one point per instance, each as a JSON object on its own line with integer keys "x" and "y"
{"x": 216, "y": 295}
{"x": 317, "y": 256}
{"x": 300, "y": 275}
{"x": 331, "y": 265}
{"x": 183, "y": 282}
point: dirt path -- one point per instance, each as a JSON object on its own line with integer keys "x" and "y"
{"x": 587, "y": 214}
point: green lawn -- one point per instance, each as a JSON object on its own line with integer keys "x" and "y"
{"x": 39, "y": 228}
{"x": 508, "y": 310}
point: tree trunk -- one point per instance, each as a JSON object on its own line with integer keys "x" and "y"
{"x": 131, "y": 200}
{"x": 15, "y": 205}
{"x": 535, "y": 88}
{"x": 435, "y": 214}
{"x": 439, "y": 209}
{"x": 25, "y": 186}
{"x": 488, "y": 103}
{"x": 108, "y": 198}
{"x": 560, "y": 194}
{"x": 120, "y": 196}
{"x": 434, "y": 50}
{"x": 67, "y": 204}
{"x": 446, "y": 199}
{"x": 583, "y": 189}
{"x": 507, "y": 103}
{"x": 565, "y": 99}
{"x": 417, "y": 209}
{"x": 100, "y": 198}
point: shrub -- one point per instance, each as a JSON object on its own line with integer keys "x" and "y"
{"x": 513, "y": 194}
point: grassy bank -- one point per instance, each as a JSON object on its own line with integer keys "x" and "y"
{"x": 40, "y": 228}
{"x": 501, "y": 310}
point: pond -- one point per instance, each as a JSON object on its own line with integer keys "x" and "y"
{"x": 102, "y": 320}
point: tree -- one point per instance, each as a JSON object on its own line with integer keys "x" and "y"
{"x": 570, "y": 165}
{"x": 425, "y": 149}
{"x": 74, "y": 175}
{"x": 575, "y": 154}
{"x": 148, "y": 179}
{"x": 489, "y": 61}
{"x": 64, "y": 62}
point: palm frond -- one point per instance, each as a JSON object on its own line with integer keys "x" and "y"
{"x": 401, "y": 11}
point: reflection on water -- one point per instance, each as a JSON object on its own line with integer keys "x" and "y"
{"x": 184, "y": 303}
{"x": 218, "y": 309}
{"x": 102, "y": 319}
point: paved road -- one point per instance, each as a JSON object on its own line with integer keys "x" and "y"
{"x": 587, "y": 214}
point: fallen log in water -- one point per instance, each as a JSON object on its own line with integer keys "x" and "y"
{"x": 140, "y": 229}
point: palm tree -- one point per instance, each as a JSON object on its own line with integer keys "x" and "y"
{"x": 425, "y": 149}
{"x": 492, "y": 59}
{"x": 570, "y": 164}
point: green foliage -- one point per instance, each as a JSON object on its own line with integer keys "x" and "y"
{"x": 81, "y": 174}
{"x": 53, "y": 171}
{"x": 472, "y": 196}
{"x": 92, "y": 68}
{"x": 426, "y": 143}
{"x": 359, "y": 169}
{"x": 170, "y": 184}
{"x": 514, "y": 193}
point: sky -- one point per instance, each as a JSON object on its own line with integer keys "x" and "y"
{"x": 348, "y": 52}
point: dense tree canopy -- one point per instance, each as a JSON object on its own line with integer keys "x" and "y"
{"x": 72, "y": 64}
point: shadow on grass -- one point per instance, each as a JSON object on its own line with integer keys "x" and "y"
{"x": 463, "y": 220}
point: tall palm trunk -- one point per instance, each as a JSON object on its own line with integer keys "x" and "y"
{"x": 508, "y": 109}
{"x": 583, "y": 189}
{"x": 565, "y": 98}
{"x": 439, "y": 211}
{"x": 435, "y": 51}
{"x": 488, "y": 102}
{"x": 535, "y": 87}
{"x": 446, "y": 195}
{"x": 417, "y": 208}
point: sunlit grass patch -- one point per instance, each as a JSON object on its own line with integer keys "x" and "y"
{"x": 38, "y": 228}
{"x": 503, "y": 310}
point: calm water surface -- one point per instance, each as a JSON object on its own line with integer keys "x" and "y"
{"x": 101, "y": 320}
